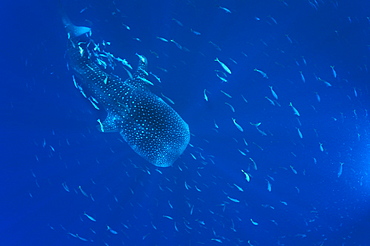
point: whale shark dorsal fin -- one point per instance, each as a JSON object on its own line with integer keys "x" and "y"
{"x": 74, "y": 30}
{"x": 139, "y": 78}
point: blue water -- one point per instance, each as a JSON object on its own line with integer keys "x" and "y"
{"x": 65, "y": 183}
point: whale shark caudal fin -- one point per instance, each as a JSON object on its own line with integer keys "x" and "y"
{"x": 73, "y": 30}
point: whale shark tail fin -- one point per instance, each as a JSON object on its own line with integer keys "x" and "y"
{"x": 73, "y": 30}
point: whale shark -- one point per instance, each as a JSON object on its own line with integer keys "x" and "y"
{"x": 152, "y": 128}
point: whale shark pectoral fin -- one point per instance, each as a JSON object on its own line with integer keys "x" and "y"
{"x": 111, "y": 124}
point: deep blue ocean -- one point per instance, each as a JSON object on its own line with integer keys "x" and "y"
{"x": 276, "y": 94}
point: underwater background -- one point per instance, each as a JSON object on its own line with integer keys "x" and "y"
{"x": 276, "y": 96}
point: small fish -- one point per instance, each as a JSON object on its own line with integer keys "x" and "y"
{"x": 215, "y": 46}
{"x": 195, "y": 32}
{"x": 186, "y": 186}
{"x": 83, "y": 192}
{"x": 205, "y": 95}
{"x": 233, "y": 61}
{"x": 226, "y": 94}
{"x": 65, "y": 187}
{"x": 304, "y": 60}
{"x": 340, "y": 169}
{"x": 102, "y": 63}
{"x": 268, "y": 185}
{"x": 225, "y": 9}
{"x": 126, "y": 26}
{"x": 245, "y": 142}
{"x": 101, "y": 125}
{"x": 215, "y": 124}
{"x": 94, "y": 104}
{"x": 247, "y": 177}
{"x": 302, "y": 77}
{"x": 168, "y": 99}
{"x": 299, "y": 133}
{"x": 237, "y": 125}
{"x": 191, "y": 209}
{"x": 124, "y": 62}
{"x": 223, "y": 66}
{"x": 289, "y": 39}
{"x": 254, "y": 222}
{"x": 83, "y": 10}
{"x": 145, "y": 80}
{"x": 89, "y": 217}
{"x": 82, "y": 92}
{"x": 95, "y": 101}
{"x": 244, "y": 99}
{"x": 294, "y": 109}
{"x": 239, "y": 188}
{"x": 216, "y": 240}
{"x": 81, "y": 50}
{"x": 162, "y": 39}
{"x": 273, "y": 19}
{"x": 321, "y": 148}
{"x": 261, "y": 72}
{"x": 111, "y": 230}
{"x": 260, "y": 131}
{"x": 177, "y": 44}
{"x": 106, "y": 43}
{"x": 325, "y": 82}
{"x": 241, "y": 152}
{"x": 156, "y": 77}
{"x": 168, "y": 217}
{"x": 74, "y": 81}
{"x": 178, "y": 22}
{"x": 197, "y": 188}
{"x": 231, "y": 107}
{"x": 333, "y": 71}
{"x": 221, "y": 78}
{"x": 143, "y": 59}
{"x": 273, "y": 93}
{"x": 254, "y": 163}
{"x": 257, "y": 124}
{"x": 233, "y": 199}
{"x": 293, "y": 170}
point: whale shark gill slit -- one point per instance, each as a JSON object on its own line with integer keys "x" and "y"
{"x": 152, "y": 128}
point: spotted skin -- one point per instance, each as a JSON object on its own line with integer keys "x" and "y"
{"x": 150, "y": 126}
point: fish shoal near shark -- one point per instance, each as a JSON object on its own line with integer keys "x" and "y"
{"x": 151, "y": 127}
